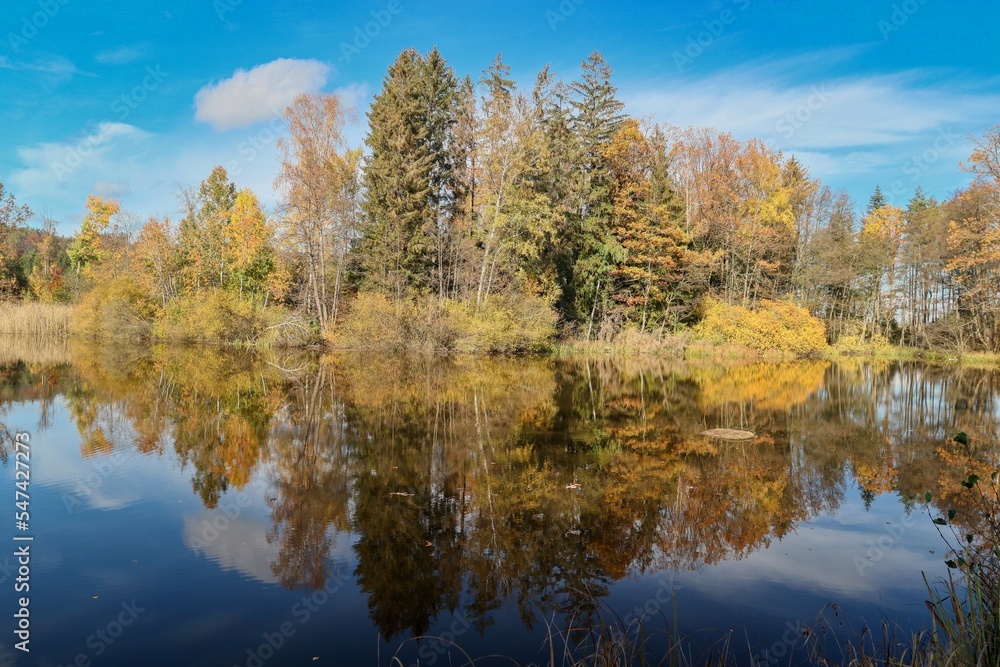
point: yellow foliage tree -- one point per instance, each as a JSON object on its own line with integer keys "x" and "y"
{"x": 157, "y": 259}
{"x": 248, "y": 246}
{"x": 87, "y": 248}
{"x": 879, "y": 243}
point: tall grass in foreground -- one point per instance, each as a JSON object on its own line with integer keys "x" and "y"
{"x": 35, "y": 319}
{"x": 832, "y": 639}
{"x": 628, "y": 343}
{"x": 966, "y": 606}
{"x": 604, "y": 641}
{"x": 965, "y": 616}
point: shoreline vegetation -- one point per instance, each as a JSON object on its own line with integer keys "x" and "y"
{"x": 61, "y": 321}
{"x": 480, "y": 217}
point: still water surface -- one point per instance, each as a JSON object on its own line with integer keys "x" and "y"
{"x": 198, "y": 507}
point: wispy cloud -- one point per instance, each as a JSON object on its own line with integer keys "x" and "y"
{"x": 121, "y": 55}
{"x": 869, "y": 111}
{"x": 249, "y": 97}
{"x": 119, "y": 188}
{"x": 849, "y": 126}
{"x": 51, "y": 167}
{"x": 50, "y": 65}
{"x": 843, "y": 111}
{"x": 142, "y": 169}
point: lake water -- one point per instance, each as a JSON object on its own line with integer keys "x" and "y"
{"x": 197, "y": 507}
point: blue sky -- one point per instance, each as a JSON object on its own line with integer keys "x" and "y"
{"x": 133, "y": 99}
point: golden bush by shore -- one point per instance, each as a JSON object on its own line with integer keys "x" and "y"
{"x": 773, "y": 325}
{"x": 120, "y": 310}
{"x": 117, "y": 309}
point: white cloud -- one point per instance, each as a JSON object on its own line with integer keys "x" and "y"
{"x": 60, "y": 174}
{"x": 242, "y": 545}
{"x": 249, "y": 97}
{"x": 839, "y": 113}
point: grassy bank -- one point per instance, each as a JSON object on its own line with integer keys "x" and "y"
{"x": 688, "y": 346}
{"x": 375, "y": 324}
{"x": 851, "y": 348}
{"x": 629, "y": 343}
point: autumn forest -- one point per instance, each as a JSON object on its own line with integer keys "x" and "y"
{"x": 482, "y": 217}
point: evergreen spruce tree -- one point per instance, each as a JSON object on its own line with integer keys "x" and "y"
{"x": 442, "y": 104}
{"x": 597, "y": 116}
{"x": 397, "y": 179}
{"x": 877, "y": 201}
{"x": 920, "y": 201}
{"x": 410, "y": 177}
{"x": 554, "y": 183}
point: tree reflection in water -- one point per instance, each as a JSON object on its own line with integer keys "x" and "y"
{"x": 472, "y": 482}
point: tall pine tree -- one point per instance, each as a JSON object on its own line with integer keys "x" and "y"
{"x": 877, "y": 201}
{"x": 597, "y": 115}
{"x": 442, "y": 98}
{"x": 397, "y": 178}
{"x": 410, "y": 177}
